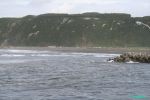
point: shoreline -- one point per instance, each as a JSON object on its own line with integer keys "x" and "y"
{"x": 118, "y": 50}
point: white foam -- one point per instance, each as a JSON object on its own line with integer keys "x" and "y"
{"x": 44, "y": 55}
{"x": 19, "y": 53}
{"x": 110, "y": 61}
{"x": 106, "y": 55}
{"x": 131, "y": 62}
{"x": 23, "y": 51}
{"x": 12, "y": 55}
{"x": 96, "y": 54}
{"x": 12, "y": 61}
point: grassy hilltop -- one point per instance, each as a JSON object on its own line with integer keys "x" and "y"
{"x": 87, "y": 29}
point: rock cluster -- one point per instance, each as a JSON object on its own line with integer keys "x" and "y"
{"x": 135, "y": 57}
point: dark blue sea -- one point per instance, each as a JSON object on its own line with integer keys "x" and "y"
{"x": 56, "y": 75}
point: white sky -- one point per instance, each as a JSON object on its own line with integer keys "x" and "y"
{"x": 18, "y": 8}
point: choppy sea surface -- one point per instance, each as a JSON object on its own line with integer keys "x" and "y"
{"x": 49, "y": 75}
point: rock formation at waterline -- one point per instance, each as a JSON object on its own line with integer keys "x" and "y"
{"x": 135, "y": 57}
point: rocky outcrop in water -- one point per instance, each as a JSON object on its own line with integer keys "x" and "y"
{"x": 135, "y": 57}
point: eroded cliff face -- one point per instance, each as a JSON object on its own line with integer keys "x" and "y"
{"x": 88, "y": 29}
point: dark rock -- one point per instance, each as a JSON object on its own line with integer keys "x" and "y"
{"x": 135, "y": 57}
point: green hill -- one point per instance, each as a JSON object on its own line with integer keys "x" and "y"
{"x": 87, "y": 29}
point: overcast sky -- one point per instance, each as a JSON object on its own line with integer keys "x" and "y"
{"x": 11, "y": 8}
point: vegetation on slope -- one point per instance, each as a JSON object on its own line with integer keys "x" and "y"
{"x": 87, "y": 29}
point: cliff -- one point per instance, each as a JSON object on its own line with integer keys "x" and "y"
{"x": 87, "y": 29}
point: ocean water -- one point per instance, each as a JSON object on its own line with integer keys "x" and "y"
{"x": 49, "y": 75}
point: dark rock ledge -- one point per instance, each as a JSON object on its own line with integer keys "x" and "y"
{"x": 135, "y": 57}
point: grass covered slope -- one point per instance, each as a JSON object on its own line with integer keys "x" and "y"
{"x": 87, "y": 29}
